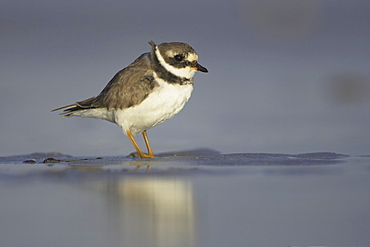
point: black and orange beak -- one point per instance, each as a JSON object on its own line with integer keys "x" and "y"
{"x": 200, "y": 68}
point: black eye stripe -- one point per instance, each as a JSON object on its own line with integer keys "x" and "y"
{"x": 179, "y": 57}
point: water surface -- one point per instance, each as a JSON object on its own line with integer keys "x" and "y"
{"x": 196, "y": 198}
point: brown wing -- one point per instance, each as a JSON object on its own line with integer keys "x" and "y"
{"x": 127, "y": 88}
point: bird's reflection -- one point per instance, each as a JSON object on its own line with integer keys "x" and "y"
{"x": 151, "y": 210}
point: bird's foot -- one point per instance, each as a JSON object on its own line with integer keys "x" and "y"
{"x": 141, "y": 155}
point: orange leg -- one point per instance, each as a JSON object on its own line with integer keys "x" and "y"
{"x": 140, "y": 153}
{"x": 150, "y": 152}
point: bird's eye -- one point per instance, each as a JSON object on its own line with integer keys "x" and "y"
{"x": 179, "y": 57}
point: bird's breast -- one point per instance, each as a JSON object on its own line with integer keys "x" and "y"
{"x": 165, "y": 101}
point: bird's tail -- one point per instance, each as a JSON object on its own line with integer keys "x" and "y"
{"x": 69, "y": 110}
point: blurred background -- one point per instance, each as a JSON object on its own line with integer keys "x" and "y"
{"x": 284, "y": 76}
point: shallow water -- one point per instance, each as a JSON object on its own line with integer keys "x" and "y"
{"x": 195, "y": 198}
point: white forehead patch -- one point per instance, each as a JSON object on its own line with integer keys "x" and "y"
{"x": 192, "y": 57}
{"x": 187, "y": 72}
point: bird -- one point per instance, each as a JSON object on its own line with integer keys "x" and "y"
{"x": 152, "y": 89}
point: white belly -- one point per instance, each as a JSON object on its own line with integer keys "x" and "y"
{"x": 163, "y": 103}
